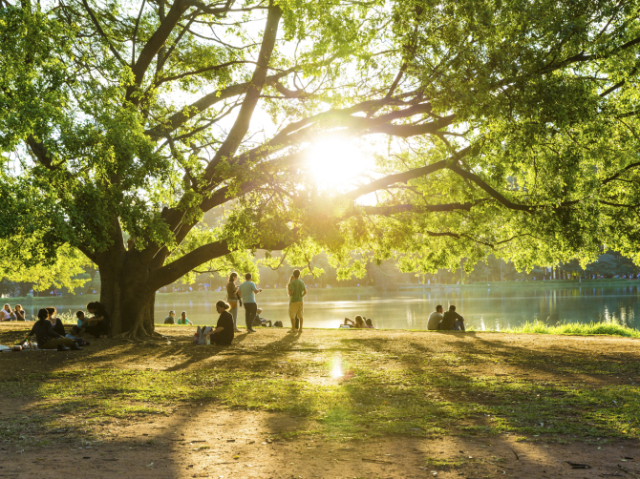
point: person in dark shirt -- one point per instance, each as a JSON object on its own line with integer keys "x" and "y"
{"x": 258, "y": 321}
{"x": 20, "y": 313}
{"x": 47, "y": 338}
{"x": 171, "y": 319}
{"x": 223, "y": 332}
{"x": 451, "y": 321}
{"x": 58, "y": 327}
{"x": 99, "y": 325}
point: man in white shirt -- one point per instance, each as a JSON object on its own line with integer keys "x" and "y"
{"x": 435, "y": 318}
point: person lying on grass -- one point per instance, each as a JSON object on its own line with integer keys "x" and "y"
{"x": 47, "y": 338}
{"x": 223, "y": 332}
{"x": 359, "y": 322}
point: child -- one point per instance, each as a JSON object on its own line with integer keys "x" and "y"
{"x": 183, "y": 319}
{"x": 82, "y": 323}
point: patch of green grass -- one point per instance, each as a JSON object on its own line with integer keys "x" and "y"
{"x": 436, "y": 462}
{"x": 414, "y": 402}
{"x": 576, "y": 329}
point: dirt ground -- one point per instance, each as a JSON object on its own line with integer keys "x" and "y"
{"x": 209, "y": 439}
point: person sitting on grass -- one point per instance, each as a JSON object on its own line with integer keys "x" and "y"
{"x": 6, "y": 314}
{"x": 56, "y": 322}
{"x": 20, "y": 313}
{"x": 82, "y": 323}
{"x": 98, "y": 325}
{"x": 47, "y": 338}
{"x": 435, "y": 318}
{"x": 258, "y": 321}
{"x": 171, "y": 318}
{"x": 224, "y": 330}
{"x": 369, "y": 323}
{"x": 183, "y": 319}
{"x": 451, "y": 321}
{"x": 358, "y": 323}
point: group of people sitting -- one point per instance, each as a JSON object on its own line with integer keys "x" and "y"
{"x": 449, "y": 321}
{"x": 50, "y": 333}
{"x": 171, "y": 319}
{"x": 8, "y": 314}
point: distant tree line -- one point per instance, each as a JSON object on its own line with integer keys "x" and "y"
{"x": 386, "y": 276}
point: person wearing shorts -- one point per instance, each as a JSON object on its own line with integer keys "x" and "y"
{"x": 297, "y": 291}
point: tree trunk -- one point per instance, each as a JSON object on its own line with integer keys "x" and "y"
{"x": 126, "y": 296}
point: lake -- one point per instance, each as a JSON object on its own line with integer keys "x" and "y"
{"x": 496, "y": 308}
{"x": 484, "y": 309}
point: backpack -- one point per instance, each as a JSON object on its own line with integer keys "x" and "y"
{"x": 277, "y": 324}
{"x": 200, "y": 338}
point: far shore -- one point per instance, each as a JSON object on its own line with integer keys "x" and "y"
{"x": 403, "y": 288}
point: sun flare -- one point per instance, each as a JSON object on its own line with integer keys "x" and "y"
{"x": 336, "y": 164}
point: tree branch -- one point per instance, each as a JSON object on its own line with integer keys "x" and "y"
{"x": 183, "y": 265}
{"x": 258, "y": 80}
{"x": 488, "y": 189}
{"x": 404, "y": 177}
{"x": 154, "y": 44}
{"x": 102, "y": 33}
{"x": 176, "y": 120}
{"x": 412, "y": 208}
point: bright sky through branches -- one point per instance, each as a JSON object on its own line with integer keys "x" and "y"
{"x": 337, "y": 164}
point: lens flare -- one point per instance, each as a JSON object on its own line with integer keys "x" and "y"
{"x": 336, "y": 370}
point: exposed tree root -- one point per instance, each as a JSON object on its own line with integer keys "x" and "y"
{"x": 138, "y": 334}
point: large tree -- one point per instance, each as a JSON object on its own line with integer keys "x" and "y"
{"x": 502, "y": 127}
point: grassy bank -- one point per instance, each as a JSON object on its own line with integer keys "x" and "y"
{"x": 577, "y": 329}
{"x": 342, "y": 384}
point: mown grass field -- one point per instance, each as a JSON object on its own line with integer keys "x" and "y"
{"x": 345, "y": 384}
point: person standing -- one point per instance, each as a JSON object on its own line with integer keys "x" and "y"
{"x": 248, "y": 291}
{"x": 233, "y": 299}
{"x": 435, "y": 318}
{"x": 297, "y": 291}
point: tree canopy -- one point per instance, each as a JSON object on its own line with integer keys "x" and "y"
{"x": 504, "y": 127}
